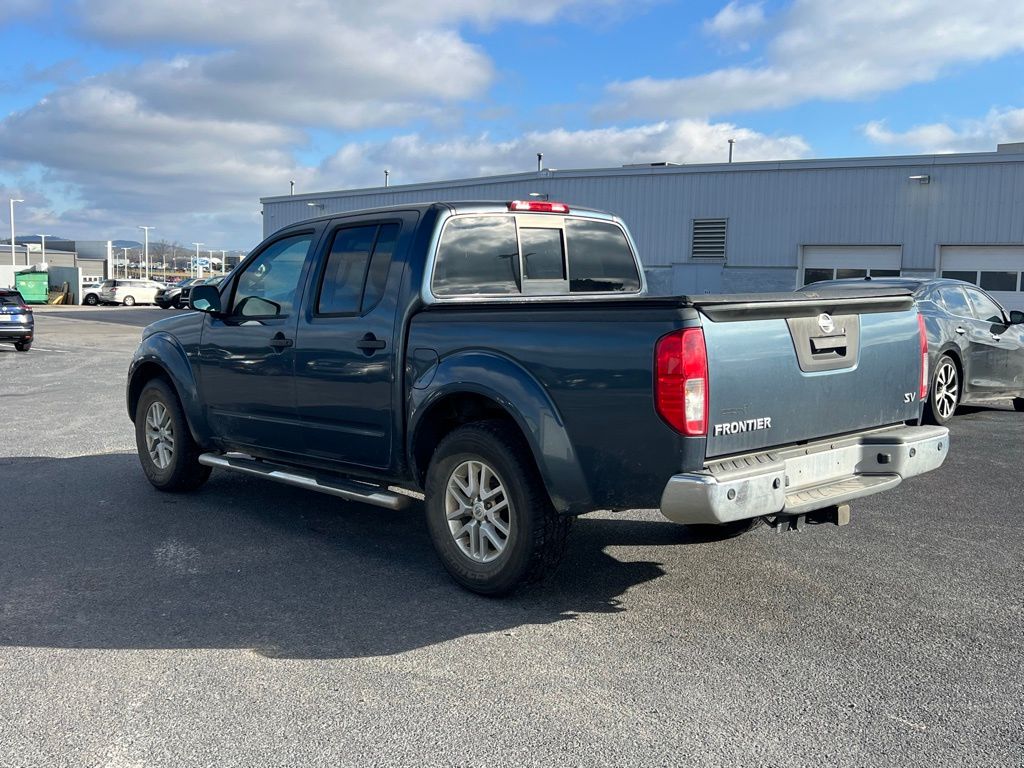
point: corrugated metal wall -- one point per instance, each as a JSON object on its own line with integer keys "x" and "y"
{"x": 773, "y": 208}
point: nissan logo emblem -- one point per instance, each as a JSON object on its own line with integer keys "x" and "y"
{"x": 825, "y": 323}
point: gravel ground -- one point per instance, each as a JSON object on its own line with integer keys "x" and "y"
{"x": 253, "y": 624}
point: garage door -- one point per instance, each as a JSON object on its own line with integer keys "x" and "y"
{"x": 996, "y": 268}
{"x": 826, "y": 262}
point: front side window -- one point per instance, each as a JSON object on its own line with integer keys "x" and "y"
{"x": 478, "y": 255}
{"x": 600, "y": 259}
{"x": 268, "y": 286}
{"x": 985, "y": 308}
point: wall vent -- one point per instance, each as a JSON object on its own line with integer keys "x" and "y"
{"x": 708, "y": 239}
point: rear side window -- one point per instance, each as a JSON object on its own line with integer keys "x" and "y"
{"x": 600, "y": 258}
{"x": 477, "y": 255}
{"x": 357, "y": 269}
{"x": 956, "y": 302}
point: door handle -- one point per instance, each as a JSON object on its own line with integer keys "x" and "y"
{"x": 280, "y": 342}
{"x": 961, "y": 330}
{"x": 996, "y": 338}
{"x": 370, "y": 343}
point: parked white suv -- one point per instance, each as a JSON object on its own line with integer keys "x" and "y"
{"x": 129, "y": 292}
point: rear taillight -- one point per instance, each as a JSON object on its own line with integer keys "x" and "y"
{"x": 924, "y": 357}
{"x": 681, "y": 381}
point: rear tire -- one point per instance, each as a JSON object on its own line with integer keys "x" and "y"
{"x": 129, "y": 301}
{"x": 945, "y": 391}
{"x": 23, "y": 346}
{"x": 488, "y": 513}
{"x": 167, "y": 452}
{"x": 1018, "y": 403}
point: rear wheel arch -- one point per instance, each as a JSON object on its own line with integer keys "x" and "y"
{"x": 953, "y": 352}
{"x": 458, "y": 407}
{"x": 446, "y": 414}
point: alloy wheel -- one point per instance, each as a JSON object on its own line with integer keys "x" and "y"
{"x": 478, "y": 510}
{"x": 159, "y": 435}
{"x": 947, "y": 389}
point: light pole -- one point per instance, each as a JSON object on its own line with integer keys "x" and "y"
{"x": 13, "y": 201}
{"x": 43, "y": 239}
{"x": 198, "y": 269}
{"x": 125, "y": 262}
{"x": 146, "y": 230}
{"x": 223, "y": 258}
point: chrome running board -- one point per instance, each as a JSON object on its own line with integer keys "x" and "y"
{"x": 350, "y": 490}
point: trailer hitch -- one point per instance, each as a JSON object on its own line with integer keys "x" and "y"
{"x": 838, "y": 514}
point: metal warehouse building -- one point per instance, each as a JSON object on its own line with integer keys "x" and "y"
{"x": 761, "y": 226}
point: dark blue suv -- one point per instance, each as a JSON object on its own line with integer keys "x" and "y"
{"x": 16, "y": 322}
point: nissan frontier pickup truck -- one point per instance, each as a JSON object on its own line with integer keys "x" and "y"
{"x": 505, "y": 360}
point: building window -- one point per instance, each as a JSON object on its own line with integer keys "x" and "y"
{"x": 967, "y": 277}
{"x": 818, "y": 274}
{"x": 708, "y": 240}
{"x": 999, "y": 281}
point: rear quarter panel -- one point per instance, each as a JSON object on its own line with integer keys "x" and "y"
{"x": 595, "y": 364}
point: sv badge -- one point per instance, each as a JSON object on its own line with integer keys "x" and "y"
{"x": 909, "y": 397}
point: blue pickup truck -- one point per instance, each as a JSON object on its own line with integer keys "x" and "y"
{"x": 505, "y": 360}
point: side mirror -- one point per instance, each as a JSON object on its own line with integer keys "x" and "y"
{"x": 205, "y": 298}
{"x": 1016, "y": 317}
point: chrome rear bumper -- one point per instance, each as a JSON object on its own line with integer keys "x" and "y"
{"x": 804, "y": 478}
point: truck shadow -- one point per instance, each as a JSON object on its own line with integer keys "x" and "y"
{"x": 92, "y": 557}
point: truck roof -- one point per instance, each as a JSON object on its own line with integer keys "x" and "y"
{"x": 465, "y": 206}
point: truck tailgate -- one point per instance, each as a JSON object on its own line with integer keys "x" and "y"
{"x": 792, "y": 368}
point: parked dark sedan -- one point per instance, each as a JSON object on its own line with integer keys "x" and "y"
{"x": 975, "y": 347}
{"x": 182, "y": 300}
{"x": 17, "y": 323}
{"x": 170, "y": 297}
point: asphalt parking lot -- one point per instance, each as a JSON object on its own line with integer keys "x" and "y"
{"x": 254, "y": 624}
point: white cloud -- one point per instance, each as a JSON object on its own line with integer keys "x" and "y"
{"x": 736, "y": 21}
{"x": 975, "y": 135}
{"x": 188, "y": 143}
{"x": 13, "y": 9}
{"x": 414, "y": 159}
{"x": 194, "y": 138}
{"x": 837, "y": 50}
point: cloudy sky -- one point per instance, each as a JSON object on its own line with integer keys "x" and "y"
{"x": 181, "y": 114}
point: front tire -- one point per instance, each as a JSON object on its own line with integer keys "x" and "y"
{"x": 91, "y": 300}
{"x": 167, "y": 452}
{"x": 1018, "y": 403}
{"x": 129, "y": 301}
{"x": 945, "y": 392}
{"x": 488, "y": 513}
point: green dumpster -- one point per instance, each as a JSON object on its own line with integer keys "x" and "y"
{"x": 34, "y": 287}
